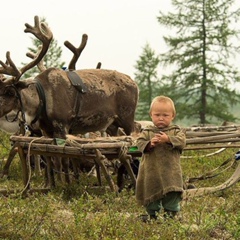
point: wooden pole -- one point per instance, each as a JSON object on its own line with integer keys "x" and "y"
{"x": 125, "y": 160}
{"x": 100, "y": 158}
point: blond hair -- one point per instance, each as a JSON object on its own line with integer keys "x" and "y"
{"x": 165, "y": 100}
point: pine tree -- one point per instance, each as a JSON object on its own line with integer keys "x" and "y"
{"x": 147, "y": 79}
{"x": 51, "y": 59}
{"x": 201, "y": 50}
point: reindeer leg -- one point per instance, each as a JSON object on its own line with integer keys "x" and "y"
{"x": 57, "y": 166}
{"x": 65, "y": 165}
{"x": 74, "y": 162}
{"x": 125, "y": 160}
{"x": 35, "y": 163}
{"x": 37, "y": 167}
{"x": 98, "y": 173}
{"x": 49, "y": 175}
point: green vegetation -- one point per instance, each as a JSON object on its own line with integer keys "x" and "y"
{"x": 85, "y": 211}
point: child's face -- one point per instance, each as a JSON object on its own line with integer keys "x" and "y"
{"x": 162, "y": 114}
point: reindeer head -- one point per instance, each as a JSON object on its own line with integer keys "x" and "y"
{"x": 9, "y": 95}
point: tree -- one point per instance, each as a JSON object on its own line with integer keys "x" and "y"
{"x": 147, "y": 79}
{"x": 201, "y": 51}
{"x": 51, "y": 59}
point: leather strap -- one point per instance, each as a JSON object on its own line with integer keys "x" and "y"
{"x": 42, "y": 105}
{"x": 76, "y": 81}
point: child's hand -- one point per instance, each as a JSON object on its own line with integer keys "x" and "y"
{"x": 154, "y": 141}
{"x": 159, "y": 138}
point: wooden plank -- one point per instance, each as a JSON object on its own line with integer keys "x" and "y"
{"x": 213, "y": 138}
{"x": 211, "y": 146}
{"x": 205, "y": 134}
{"x": 17, "y": 138}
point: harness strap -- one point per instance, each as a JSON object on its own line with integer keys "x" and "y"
{"x": 18, "y": 96}
{"x": 42, "y": 105}
{"x": 76, "y": 81}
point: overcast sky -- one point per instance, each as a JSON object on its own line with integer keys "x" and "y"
{"x": 117, "y": 29}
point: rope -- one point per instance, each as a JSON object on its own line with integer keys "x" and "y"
{"x": 72, "y": 143}
{"x": 123, "y": 151}
{"x": 28, "y": 162}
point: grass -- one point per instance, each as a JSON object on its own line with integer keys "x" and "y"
{"x": 84, "y": 211}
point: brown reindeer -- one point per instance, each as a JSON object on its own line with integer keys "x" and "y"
{"x": 107, "y": 102}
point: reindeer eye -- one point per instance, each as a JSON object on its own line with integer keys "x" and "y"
{"x": 10, "y": 92}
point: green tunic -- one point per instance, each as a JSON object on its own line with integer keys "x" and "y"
{"x": 160, "y": 169}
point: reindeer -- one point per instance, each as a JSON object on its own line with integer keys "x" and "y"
{"x": 107, "y": 101}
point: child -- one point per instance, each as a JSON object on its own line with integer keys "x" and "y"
{"x": 159, "y": 182}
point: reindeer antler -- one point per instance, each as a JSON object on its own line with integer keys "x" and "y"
{"x": 99, "y": 65}
{"x": 76, "y": 51}
{"x": 40, "y": 65}
{"x": 9, "y": 67}
{"x": 40, "y": 31}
